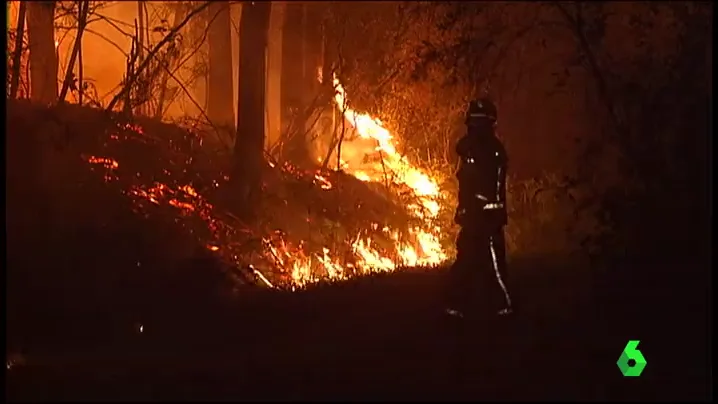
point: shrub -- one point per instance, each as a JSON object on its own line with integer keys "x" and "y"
{"x": 542, "y": 220}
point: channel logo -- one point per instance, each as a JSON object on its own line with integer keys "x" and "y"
{"x": 631, "y": 362}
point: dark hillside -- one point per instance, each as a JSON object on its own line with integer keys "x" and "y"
{"x": 108, "y": 301}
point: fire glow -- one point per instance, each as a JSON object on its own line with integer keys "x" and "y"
{"x": 293, "y": 266}
{"x": 422, "y": 248}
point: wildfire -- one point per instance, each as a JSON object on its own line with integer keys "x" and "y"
{"x": 423, "y": 247}
{"x": 403, "y": 172}
{"x": 292, "y": 264}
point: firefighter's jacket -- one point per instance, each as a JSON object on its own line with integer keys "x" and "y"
{"x": 482, "y": 182}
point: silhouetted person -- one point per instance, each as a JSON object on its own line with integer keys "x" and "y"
{"x": 478, "y": 277}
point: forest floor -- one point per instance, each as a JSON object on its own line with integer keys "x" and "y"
{"x": 75, "y": 308}
{"x": 386, "y": 338}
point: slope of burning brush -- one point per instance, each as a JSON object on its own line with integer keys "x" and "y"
{"x": 329, "y": 225}
{"x": 315, "y": 225}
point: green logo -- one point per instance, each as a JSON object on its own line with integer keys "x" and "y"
{"x": 631, "y": 354}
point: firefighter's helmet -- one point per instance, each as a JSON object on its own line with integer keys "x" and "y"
{"x": 481, "y": 109}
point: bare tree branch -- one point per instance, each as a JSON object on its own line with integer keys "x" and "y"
{"x": 145, "y": 63}
{"x": 82, "y": 22}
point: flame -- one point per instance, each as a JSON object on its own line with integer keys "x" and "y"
{"x": 422, "y": 248}
{"x": 323, "y": 181}
{"x": 291, "y": 264}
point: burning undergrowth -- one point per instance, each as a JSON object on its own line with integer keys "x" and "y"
{"x": 315, "y": 225}
{"x": 374, "y": 215}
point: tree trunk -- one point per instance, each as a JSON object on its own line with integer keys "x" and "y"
{"x": 313, "y": 48}
{"x": 249, "y": 143}
{"x": 313, "y": 65}
{"x": 139, "y": 110}
{"x": 220, "y": 98}
{"x": 329, "y": 56}
{"x": 302, "y": 53}
{"x": 274, "y": 72}
{"x": 80, "y": 65}
{"x": 292, "y": 78}
{"x": 84, "y": 8}
{"x": 43, "y": 55}
{"x": 196, "y": 38}
{"x": 17, "y": 53}
{"x": 329, "y": 48}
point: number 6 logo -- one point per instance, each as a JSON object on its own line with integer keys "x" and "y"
{"x": 631, "y": 354}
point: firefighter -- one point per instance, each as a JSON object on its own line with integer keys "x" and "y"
{"x": 481, "y": 213}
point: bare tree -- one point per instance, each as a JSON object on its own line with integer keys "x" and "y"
{"x": 141, "y": 40}
{"x": 17, "y": 53}
{"x": 249, "y": 142}
{"x": 84, "y": 8}
{"x": 292, "y": 78}
{"x": 274, "y": 71}
{"x": 43, "y": 55}
{"x": 82, "y": 15}
{"x": 135, "y": 74}
{"x": 312, "y": 44}
{"x": 220, "y": 97}
{"x": 165, "y": 94}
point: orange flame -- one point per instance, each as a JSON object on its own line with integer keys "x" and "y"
{"x": 421, "y": 249}
{"x": 416, "y": 246}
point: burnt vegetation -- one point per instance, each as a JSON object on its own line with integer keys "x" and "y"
{"x": 294, "y": 212}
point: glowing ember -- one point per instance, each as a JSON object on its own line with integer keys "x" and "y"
{"x": 106, "y": 162}
{"x": 324, "y": 183}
